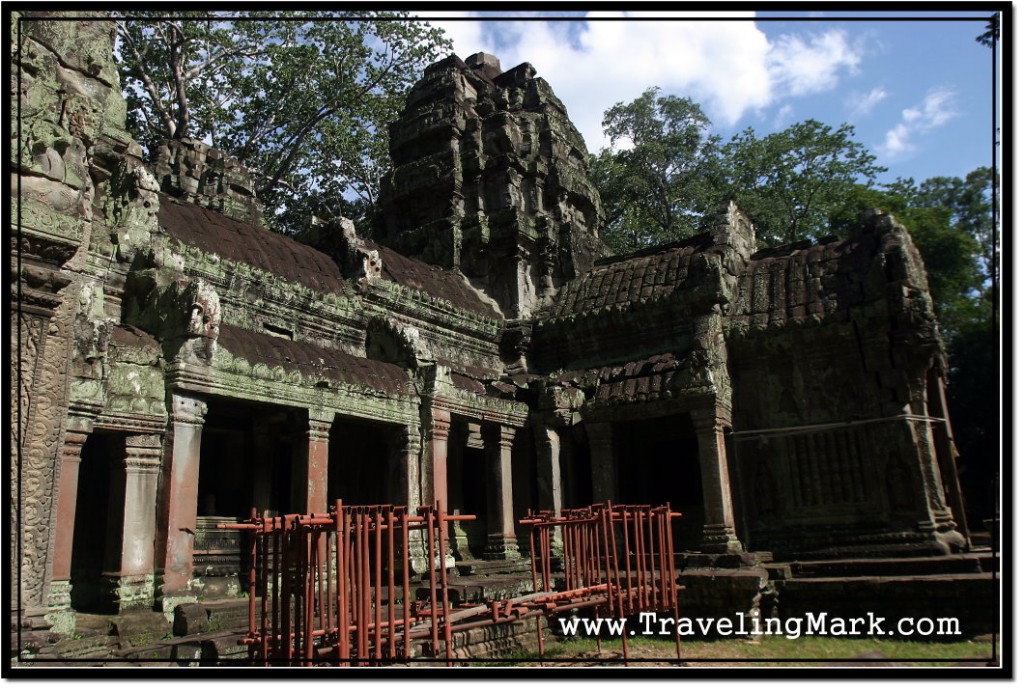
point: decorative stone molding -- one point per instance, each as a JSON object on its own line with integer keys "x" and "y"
{"x": 187, "y": 409}
{"x": 143, "y": 453}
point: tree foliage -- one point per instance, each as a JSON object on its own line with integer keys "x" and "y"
{"x": 665, "y": 174}
{"x": 302, "y": 99}
{"x": 657, "y": 180}
{"x": 791, "y": 182}
{"x": 991, "y": 34}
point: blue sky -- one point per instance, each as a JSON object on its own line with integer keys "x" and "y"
{"x": 919, "y": 93}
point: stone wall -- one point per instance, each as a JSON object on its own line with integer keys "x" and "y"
{"x": 831, "y": 349}
{"x": 190, "y": 170}
{"x": 70, "y": 140}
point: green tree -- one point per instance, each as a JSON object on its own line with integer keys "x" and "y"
{"x": 972, "y": 202}
{"x": 301, "y": 98}
{"x": 791, "y": 182}
{"x": 991, "y": 34}
{"x": 657, "y": 180}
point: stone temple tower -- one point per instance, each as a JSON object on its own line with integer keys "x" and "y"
{"x": 489, "y": 177}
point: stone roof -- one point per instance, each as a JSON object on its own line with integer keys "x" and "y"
{"x": 461, "y": 381}
{"x": 217, "y": 234}
{"x": 805, "y": 280}
{"x": 263, "y": 249}
{"x": 646, "y": 275}
{"x": 777, "y": 285}
{"x": 313, "y": 360}
{"x": 439, "y": 283}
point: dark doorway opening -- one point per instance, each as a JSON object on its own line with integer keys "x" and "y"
{"x": 362, "y": 467}
{"x": 246, "y": 461}
{"x": 474, "y": 498}
{"x": 96, "y": 543}
{"x": 577, "y": 477}
{"x": 658, "y": 461}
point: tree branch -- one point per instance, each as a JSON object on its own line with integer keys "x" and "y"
{"x": 147, "y": 81}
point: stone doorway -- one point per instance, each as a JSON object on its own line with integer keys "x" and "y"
{"x": 659, "y": 462}
{"x": 467, "y": 490}
{"x": 98, "y": 517}
{"x": 248, "y": 457}
{"x": 577, "y": 483}
{"x": 363, "y": 467}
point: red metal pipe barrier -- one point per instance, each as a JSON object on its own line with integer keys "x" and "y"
{"x": 329, "y": 592}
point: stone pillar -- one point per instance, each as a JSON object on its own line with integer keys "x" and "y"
{"x": 549, "y": 476}
{"x": 935, "y": 517}
{"x": 59, "y": 615}
{"x": 182, "y": 498}
{"x": 602, "y": 461}
{"x": 318, "y": 435}
{"x": 133, "y": 583}
{"x": 405, "y": 450}
{"x": 719, "y": 524}
{"x": 501, "y": 527}
{"x": 947, "y": 453}
{"x": 437, "y": 447}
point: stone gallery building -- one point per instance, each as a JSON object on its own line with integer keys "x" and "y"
{"x": 175, "y": 363}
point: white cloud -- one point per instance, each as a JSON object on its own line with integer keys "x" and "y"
{"x": 729, "y": 67}
{"x": 861, "y": 104}
{"x": 935, "y": 110}
{"x": 800, "y": 67}
{"x": 784, "y": 116}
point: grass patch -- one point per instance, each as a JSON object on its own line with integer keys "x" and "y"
{"x": 766, "y": 651}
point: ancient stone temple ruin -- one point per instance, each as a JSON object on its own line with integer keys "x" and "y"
{"x": 177, "y": 363}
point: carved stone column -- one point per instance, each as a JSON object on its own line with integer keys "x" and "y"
{"x": 405, "y": 451}
{"x": 133, "y": 584}
{"x": 947, "y": 454}
{"x": 318, "y": 434}
{"x": 182, "y": 498}
{"x": 59, "y": 615}
{"x": 406, "y": 448}
{"x": 935, "y": 516}
{"x": 719, "y": 524}
{"x": 501, "y": 527}
{"x": 549, "y": 475}
{"x": 602, "y": 461}
{"x": 437, "y": 447}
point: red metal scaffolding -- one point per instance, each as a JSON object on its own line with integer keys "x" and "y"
{"x": 335, "y": 588}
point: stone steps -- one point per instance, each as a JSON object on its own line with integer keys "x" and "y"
{"x": 491, "y": 568}
{"x": 967, "y": 597}
{"x": 470, "y": 590}
{"x": 908, "y": 566}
